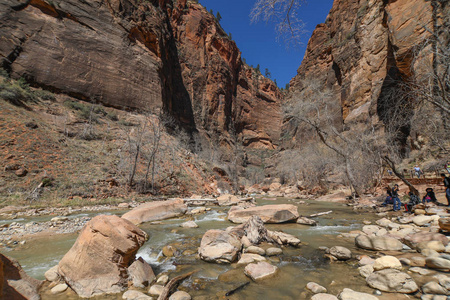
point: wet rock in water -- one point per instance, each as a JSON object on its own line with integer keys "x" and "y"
{"x": 156, "y": 290}
{"x": 197, "y": 211}
{"x": 371, "y": 229}
{"x": 323, "y": 296}
{"x": 189, "y": 224}
{"x": 413, "y": 240}
{"x": 59, "y": 219}
{"x": 284, "y": 238}
{"x": 255, "y": 231}
{"x": 15, "y": 283}
{"x": 378, "y": 243}
{"x": 52, "y": 274}
{"x": 348, "y": 294}
{"x": 135, "y": 295}
{"x": 366, "y": 270}
{"x": 248, "y": 258}
{"x": 260, "y": 270}
{"x": 366, "y": 260}
{"x": 97, "y": 262}
{"x": 255, "y": 250}
{"x": 387, "y": 262}
{"x": 437, "y": 263}
{"x": 393, "y": 281}
{"x": 62, "y": 287}
{"x": 434, "y": 288}
{"x": 315, "y": 288}
{"x": 169, "y": 251}
{"x": 306, "y": 221}
{"x": 180, "y": 295}
{"x": 219, "y": 246}
{"x": 155, "y": 211}
{"x": 341, "y": 253}
{"x": 162, "y": 280}
{"x": 268, "y": 213}
{"x": 227, "y": 200}
{"x": 141, "y": 273}
{"x": 273, "y": 251}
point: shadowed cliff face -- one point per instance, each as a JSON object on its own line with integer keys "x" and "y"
{"x": 142, "y": 55}
{"x": 363, "y": 51}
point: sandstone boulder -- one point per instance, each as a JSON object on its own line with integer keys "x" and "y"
{"x": 315, "y": 288}
{"x": 393, "y": 281}
{"x": 180, "y": 295}
{"x": 437, "y": 263}
{"x": 59, "y": 288}
{"x": 323, "y": 296}
{"x": 260, "y": 270}
{"x": 219, "y": 246}
{"x": 248, "y": 258}
{"x": 52, "y": 274}
{"x": 422, "y": 220}
{"x": 97, "y": 263}
{"x": 15, "y": 283}
{"x": 444, "y": 224}
{"x": 413, "y": 240}
{"x": 135, "y": 295}
{"x": 255, "y": 250}
{"x": 306, "y": 221}
{"x": 227, "y": 200}
{"x": 434, "y": 288}
{"x": 268, "y": 213}
{"x": 348, "y": 294}
{"x": 141, "y": 273}
{"x": 341, "y": 253}
{"x": 387, "y": 262}
{"x": 378, "y": 243}
{"x": 157, "y": 210}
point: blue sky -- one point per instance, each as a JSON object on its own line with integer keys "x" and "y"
{"x": 258, "y": 42}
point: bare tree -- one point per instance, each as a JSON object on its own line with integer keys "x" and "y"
{"x": 316, "y": 110}
{"x": 284, "y": 13}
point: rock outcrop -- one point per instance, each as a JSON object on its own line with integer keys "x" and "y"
{"x": 15, "y": 284}
{"x": 97, "y": 263}
{"x": 143, "y": 55}
{"x": 219, "y": 246}
{"x": 268, "y": 213}
{"x": 157, "y": 210}
{"x": 363, "y": 51}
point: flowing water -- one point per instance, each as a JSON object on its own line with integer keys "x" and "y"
{"x": 297, "y": 266}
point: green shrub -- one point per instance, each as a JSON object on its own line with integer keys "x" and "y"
{"x": 45, "y": 95}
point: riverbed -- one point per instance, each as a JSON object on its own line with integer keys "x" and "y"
{"x": 297, "y": 266}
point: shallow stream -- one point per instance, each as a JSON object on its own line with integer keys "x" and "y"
{"x": 297, "y": 266}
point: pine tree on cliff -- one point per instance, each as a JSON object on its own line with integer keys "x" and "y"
{"x": 218, "y": 16}
{"x": 267, "y": 73}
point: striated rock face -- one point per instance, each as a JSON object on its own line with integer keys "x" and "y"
{"x": 97, "y": 263}
{"x": 155, "y": 211}
{"x": 362, "y": 51}
{"x": 143, "y": 55}
{"x": 15, "y": 284}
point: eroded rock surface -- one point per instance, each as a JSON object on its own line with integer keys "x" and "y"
{"x": 97, "y": 263}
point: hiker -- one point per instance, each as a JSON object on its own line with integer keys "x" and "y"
{"x": 389, "y": 199}
{"x": 429, "y": 196}
{"x": 447, "y": 167}
{"x": 447, "y": 187}
{"x": 413, "y": 200}
{"x": 417, "y": 171}
{"x": 397, "y": 203}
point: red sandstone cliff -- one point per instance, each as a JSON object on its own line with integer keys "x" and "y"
{"x": 142, "y": 55}
{"x": 364, "y": 48}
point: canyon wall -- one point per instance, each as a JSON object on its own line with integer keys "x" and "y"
{"x": 364, "y": 49}
{"x": 143, "y": 55}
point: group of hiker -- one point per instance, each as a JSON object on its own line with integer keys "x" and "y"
{"x": 430, "y": 197}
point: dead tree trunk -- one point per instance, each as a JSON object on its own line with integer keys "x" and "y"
{"x": 391, "y": 164}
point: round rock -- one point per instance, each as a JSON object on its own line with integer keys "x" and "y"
{"x": 180, "y": 295}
